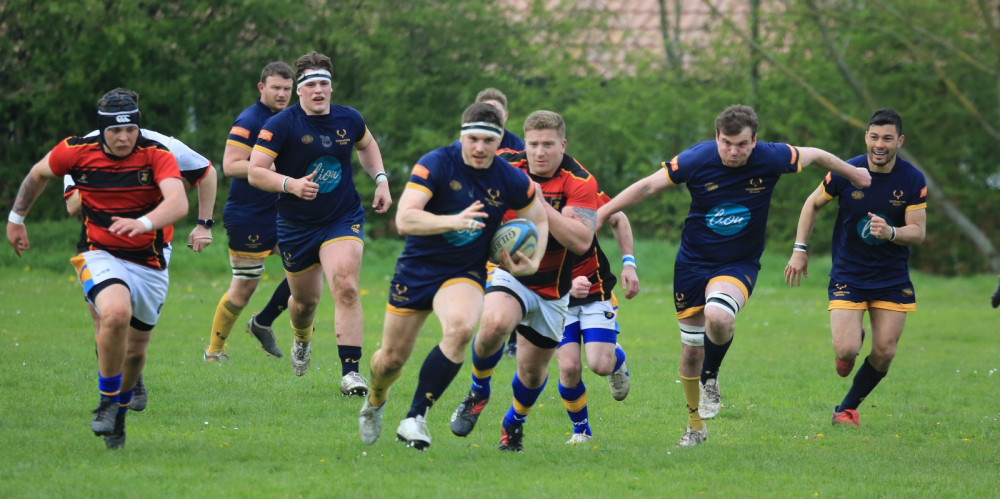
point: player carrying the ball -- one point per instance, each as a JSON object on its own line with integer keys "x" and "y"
{"x": 535, "y": 305}
{"x": 452, "y": 205}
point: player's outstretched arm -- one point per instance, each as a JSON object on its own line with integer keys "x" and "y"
{"x": 634, "y": 194}
{"x": 413, "y": 220}
{"x": 626, "y": 245}
{"x": 798, "y": 264}
{"x": 32, "y": 187}
{"x": 859, "y": 177}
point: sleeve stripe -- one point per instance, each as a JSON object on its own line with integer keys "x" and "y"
{"x": 241, "y": 145}
{"x": 914, "y": 207}
{"x": 265, "y": 151}
{"x": 414, "y": 185}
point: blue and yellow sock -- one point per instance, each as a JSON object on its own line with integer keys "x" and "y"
{"x": 350, "y": 359}
{"x": 435, "y": 376}
{"x": 277, "y": 304}
{"x": 110, "y": 387}
{"x": 575, "y": 400}
{"x": 865, "y": 380}
{"x": 524, "y": 399}
{"x": 482, "y": 370}
{"x": 302, "y": 335}
{"x": 124, "y": 399}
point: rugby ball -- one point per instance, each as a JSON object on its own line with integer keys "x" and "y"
{"x": 519, "y": 234}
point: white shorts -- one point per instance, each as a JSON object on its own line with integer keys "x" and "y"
{"x": 546, "y": 317}
{"x": 593, "y": 315}
{"x": 147, "y": 287}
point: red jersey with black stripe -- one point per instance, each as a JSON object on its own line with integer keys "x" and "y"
{"x": 125, "y": 187}
{"x": 594, "y": 265}
{"x": 570, "y": 186}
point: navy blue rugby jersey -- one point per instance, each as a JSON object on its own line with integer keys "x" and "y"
{"x": 859, "y": 258}
{"x": 302, "y": 144}
{"x": 248, "y": 204}
{"x": 453, "y": 186}
{"x": 729, "y": 206}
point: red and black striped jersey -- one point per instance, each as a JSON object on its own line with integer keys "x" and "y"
{"x": 124, "y": 187}
{"x": 595, "y": 267}
{"x": 571, "y": 186}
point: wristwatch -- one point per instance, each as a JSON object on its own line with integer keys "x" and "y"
{"x": 208, "y": 223}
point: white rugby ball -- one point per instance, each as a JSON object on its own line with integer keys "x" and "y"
{"x": 519, "y": 234}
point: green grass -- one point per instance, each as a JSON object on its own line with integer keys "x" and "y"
{"x": 249, "y": 427}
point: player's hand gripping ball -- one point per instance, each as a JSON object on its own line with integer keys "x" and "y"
{"x": 519, "y": 234}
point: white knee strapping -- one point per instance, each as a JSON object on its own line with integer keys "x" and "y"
{"x": 693, "y": 335}
{"x": 249, "y": 272}
{"x": 725, "y": 302}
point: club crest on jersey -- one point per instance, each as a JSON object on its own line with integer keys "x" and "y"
{"x": 493, "y": 197}
{"x": 841, "y": 290}
{"x": 609, "y": 315}
{"x": 341, "y": 133}
{"x": 711, "y": 186}
{"x": 145, "y": 177}
{"x": 455, "y": 185}
{"x": 899, "y": 201}
{"x": 326, "y": 141}
{"x": 727, "y": 219}
{"x": 356, "y": 228}
{"x": 756, "y": 186}
{"x": 857, "y": 195}
{"x": 307, "y": 139}
{"x": 907, "y": 292}
{"x": 287, "y": 258}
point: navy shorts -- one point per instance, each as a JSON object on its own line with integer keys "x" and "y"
{"x": 414, "y": 284}
{"x": 846, "y": 296}
{"x": 690, "y": 282}
{"x": 300, "y": 245}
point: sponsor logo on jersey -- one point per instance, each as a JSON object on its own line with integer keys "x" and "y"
{"x": 455, "y": 185}
{"x": 857, "y": 195}
{"x": 421, "y": 171}
{"x": 307, "y": 139}
{"x": 240, "y": 132}
{"x": 711, "y": 186}
{"x": 864, "y": 228}
{"x": 265, "y": 135}
{"x": 326, "y": 141}
{"x": 727, "y": 219}
{"x": 328, "y": 173}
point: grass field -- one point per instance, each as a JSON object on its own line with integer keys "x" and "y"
{"x": 250, "y": 428}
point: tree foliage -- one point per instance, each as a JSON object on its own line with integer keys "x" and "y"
{"x": 813, "y": 69}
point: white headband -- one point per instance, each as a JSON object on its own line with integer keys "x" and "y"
{"x": 313, "y": 74}
{"x": 482, "y": 127}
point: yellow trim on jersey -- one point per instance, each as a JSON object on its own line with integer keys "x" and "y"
{"x": 672, "y": 166}
{"x": 251, "y": 254}
{"x": 341, "y": 238}
{"x": 307, "y": 269}
{"x": 414, "y": 185}
{"x": 914, "y": 207}
{"x": 241, "y": 145}
{"x": 578, "y": 404}
{"x": 734, "y": 281}
{"x": 401, "y": 312}
{"x": 534, "y": 199}
{"x": 822, "y": 186}
{"x": 460, "y": 280}
{"x": 265, "y": 150}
